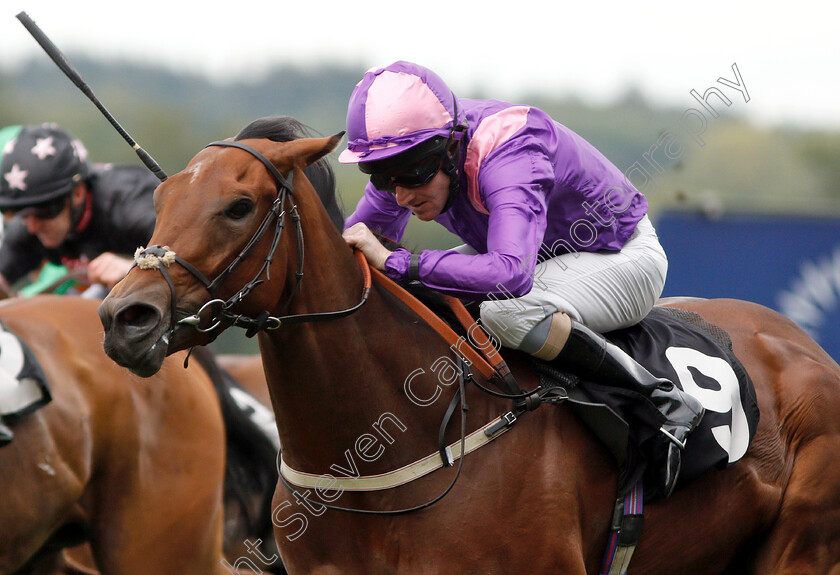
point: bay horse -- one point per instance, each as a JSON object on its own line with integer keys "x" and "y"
{"x": 537, "y": 500}
{"x": 117, "y": 474}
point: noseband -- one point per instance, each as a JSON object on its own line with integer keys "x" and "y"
{"x": 161, "y": 257}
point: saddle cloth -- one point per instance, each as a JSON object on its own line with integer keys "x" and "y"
{"x": 697, "y": 357}
{"x": 23, "y": 385}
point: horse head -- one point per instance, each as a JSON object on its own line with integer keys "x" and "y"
{"x": 219, "y": 255}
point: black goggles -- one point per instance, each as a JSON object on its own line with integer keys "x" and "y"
{"x": 48, "y": 210}
{"x": 420, "y": 174}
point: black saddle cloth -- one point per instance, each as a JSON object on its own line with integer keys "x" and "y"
{"x": 697, "y": 357}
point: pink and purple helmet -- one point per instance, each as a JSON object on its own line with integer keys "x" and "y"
{"x": 395, "y": 108}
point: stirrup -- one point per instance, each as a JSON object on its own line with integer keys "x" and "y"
{"x": 672, "y": 438}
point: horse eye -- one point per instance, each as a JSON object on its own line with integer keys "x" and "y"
{"x": 239, "y": 209}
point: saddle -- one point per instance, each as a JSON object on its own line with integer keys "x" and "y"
{"x": 674, "y": 344}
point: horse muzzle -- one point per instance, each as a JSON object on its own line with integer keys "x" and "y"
{"x": 137, "y": 333}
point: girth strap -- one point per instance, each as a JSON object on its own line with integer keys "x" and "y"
{"x": 626, "y": 527}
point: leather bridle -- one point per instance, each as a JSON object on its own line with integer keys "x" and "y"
{"x": 223, "y": 313}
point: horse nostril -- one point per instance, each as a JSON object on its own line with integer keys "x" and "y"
{"x": 138, "y": 317}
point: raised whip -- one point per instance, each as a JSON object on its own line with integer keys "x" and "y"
{"x": 69, "y": 71}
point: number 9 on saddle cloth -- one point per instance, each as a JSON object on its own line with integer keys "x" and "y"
{"x": 697, "y": 356}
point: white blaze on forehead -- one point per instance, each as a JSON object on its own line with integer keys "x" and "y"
{"x": 195, "y": 171}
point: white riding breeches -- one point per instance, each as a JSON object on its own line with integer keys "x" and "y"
{"x": 602, "y": 290}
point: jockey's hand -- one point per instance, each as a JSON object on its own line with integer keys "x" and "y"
{"x": 108, "y": 269}
{"x": 360, "y": 237}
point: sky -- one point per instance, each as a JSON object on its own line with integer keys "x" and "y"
{"x": 787, "y": 58}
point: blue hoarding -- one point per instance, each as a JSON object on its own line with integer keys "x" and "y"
{"x": 787, "y": 263}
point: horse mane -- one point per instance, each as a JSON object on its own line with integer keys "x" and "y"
{"x": 286, "y": 129}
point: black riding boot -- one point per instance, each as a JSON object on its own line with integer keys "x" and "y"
{"x": 589, "y": 355}
{"x": 6, "y": 434}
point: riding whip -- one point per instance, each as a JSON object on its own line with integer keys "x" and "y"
{"x": 55, "y": 54}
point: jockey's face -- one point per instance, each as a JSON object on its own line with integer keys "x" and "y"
{"x": 426, "y": 201}
{"x": 52, "y": 222}
{"x": 50, "y": 232}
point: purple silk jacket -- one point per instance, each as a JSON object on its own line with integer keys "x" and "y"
{"x": 531, "y": 189}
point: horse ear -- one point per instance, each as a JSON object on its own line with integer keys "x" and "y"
{"x": 306, "y": 151}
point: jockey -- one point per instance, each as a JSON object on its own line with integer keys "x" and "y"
{"x": 559, "y": 246}
{"x": 59, "y": 207}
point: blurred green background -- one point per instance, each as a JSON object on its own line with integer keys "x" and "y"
{"x": 742, "y": 166}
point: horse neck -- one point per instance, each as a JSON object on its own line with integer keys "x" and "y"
{"x": 333, "y": 381}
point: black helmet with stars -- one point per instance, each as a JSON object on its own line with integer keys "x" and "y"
{"x": 39, "y": 164}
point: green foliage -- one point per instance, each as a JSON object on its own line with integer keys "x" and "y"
{"x": 171, "y": 115}
{"x": 820, "y": 153}
{"x": 174, "y": 115}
